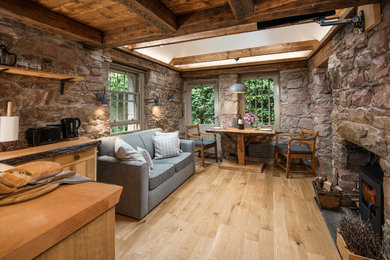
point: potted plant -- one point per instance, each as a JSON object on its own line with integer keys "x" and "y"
{"x": 356, "y": 240}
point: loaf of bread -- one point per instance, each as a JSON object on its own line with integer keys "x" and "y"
{"x": 36, "y": 170}
{"x": 16, "y": 177}
{"x": 11, "y": 180}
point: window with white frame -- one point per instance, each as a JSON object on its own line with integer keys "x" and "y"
{"x": 262, "y": 99}
{"x": 125, "y": 90}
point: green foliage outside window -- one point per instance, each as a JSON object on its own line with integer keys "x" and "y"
{"x": 260, "y": 91}
{"x": 203, "y": 105}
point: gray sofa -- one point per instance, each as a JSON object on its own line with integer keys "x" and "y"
{"x": 143, "y": 191}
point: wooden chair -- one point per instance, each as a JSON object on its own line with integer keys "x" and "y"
{"x": 202, "y": 144}
{"x": 304, "y": 149}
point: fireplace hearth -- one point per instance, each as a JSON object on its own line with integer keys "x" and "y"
{"x": 371, "y": 197}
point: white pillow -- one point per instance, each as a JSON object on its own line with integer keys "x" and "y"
{"x": 166, "y": 145}
{"x": 124, "y": 151}
{"x": 146, "y": 156}
{"x": 176, "y": 133}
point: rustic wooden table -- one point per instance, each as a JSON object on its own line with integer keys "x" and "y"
{"x": 240, "y": 134}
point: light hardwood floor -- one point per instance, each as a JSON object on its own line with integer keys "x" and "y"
{"x": 223, "y": 214}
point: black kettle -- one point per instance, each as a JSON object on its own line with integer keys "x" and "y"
{"x": 70, "y": 127}
{"x": 6, "y": 57}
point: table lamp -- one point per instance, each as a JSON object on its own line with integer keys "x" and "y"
{"x": 9, "y": 126}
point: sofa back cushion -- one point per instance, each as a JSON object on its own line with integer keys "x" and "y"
{"x": 147, "y": 138}
{"x": 143, "y": 139}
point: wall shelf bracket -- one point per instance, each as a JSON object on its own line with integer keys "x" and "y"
{"x": 63, "y": 85}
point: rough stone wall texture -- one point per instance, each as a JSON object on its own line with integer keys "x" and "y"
{"x": 165, "y": 84}
{"x": 229, "y": 105}
{"x": 321, "y": 102}
{"x": 37, "y": 101}
{"x": 359, "y": 70}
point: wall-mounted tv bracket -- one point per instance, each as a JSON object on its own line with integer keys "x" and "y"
{"x": 63, "y": 84}
{"x": 2, "y": 70}
{"x": 357, "y": 21}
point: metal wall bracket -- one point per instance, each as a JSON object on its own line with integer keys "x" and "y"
{"x": 63, "y": 85}
{"x": 2, "y": 70}
{"x": 357, "y": 21}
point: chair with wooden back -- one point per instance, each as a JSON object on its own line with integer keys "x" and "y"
{"x": 202, "y": 144}
{"x": 305, "y": 148}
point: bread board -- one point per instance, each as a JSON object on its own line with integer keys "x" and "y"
{"x": 28, "y": 195}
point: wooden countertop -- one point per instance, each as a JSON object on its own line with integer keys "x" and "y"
{"x": 49, "y": 150}
{"x": 246, "y": 131}
{"x": 29, "y": 228}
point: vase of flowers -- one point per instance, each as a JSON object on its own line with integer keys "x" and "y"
{"x": 251, "y": 119}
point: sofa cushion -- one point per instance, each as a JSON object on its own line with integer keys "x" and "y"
{"x": 180, "y": 161}
{"x": 147, "y": 138}
{"x": 295, "y": 149}
{"x": 159, "y": 174}
{"x": 107, "y": 146}
{"x": 132, "y": 139}
{"x": 124, "y": 151}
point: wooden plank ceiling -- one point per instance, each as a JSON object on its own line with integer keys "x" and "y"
{"x": 145, "y": 23}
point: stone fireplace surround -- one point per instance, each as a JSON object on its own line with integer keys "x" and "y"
{"x": 359, "y": 73}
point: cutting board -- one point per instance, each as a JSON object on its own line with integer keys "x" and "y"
{"x": 28, "y": 195}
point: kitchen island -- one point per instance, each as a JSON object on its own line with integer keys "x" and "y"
{"x": 73, "y": 222}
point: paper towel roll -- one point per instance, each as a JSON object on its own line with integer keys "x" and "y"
{"x": 9, "y": 128}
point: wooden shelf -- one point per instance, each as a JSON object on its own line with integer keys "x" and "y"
{"x": 42, "y": 74}
{"x": 38, "y": 73}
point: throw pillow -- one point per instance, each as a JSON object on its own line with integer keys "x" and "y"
{"x": 146, "y": 156}
{"x": 176, "y": 133}
{"x": 166, "y": 145}
{"x": 124, "y": 151}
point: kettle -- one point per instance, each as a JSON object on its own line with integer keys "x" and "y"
{"x": 70, "y": 127}
{"x": 6, "y": 57}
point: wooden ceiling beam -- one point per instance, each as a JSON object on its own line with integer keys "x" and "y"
{"x": 241, "y": 8}
{"x": 222, "y": 17}
{"x": 249, "y": 52}
{"x": 196, "y": 36}
{"x": 33, "y": 14}
{"x": 154, "y": 12}
{"x": 265, "y": 66}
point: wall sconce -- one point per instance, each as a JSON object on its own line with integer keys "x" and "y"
{"x": 102, "y": 97}
{"x": 9, "y": 126}
{"x": 156, "y": 109}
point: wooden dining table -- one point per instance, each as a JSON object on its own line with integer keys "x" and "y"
{"x": 240, "y": 134}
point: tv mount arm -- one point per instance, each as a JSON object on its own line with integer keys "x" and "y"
{"x": 357, "y": 21}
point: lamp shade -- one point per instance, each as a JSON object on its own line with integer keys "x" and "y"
{"x": 9, "y": 128}
{"x": 237, "y": 88}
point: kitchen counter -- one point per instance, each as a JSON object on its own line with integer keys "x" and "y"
{"x": 72, "y": 222}
{"x": 49, "y": 150}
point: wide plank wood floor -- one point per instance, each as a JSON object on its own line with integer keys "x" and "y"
{"x": 223, "y": 214}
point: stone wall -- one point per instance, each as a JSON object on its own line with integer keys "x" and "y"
{"x": 359, "y": 70}
{"x": 37, "y": 101}
{"x": 166, "y": 85}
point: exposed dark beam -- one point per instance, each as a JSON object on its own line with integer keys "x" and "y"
{"x": 222, "y": 17}
{"x": 154, "y": 12}
{"x": 241, "y": 8}
{"x": 249, "y": 52}
{"x": 33, "y": 14}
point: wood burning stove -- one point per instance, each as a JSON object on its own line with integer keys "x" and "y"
{"x": 371, "y": 197}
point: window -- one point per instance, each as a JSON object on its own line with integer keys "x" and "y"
{"x": 202, "y": 105}
{"x": 125, "y": 90}
{"x": 260, "y": 99}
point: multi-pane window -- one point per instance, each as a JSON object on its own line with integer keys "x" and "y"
{"x": 260, "y": 99}
{"x": 124, "y": 90}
